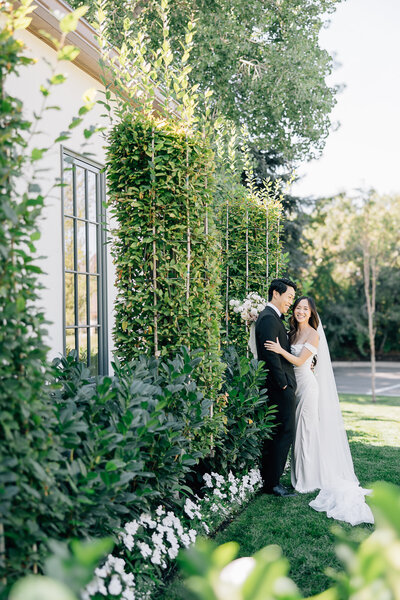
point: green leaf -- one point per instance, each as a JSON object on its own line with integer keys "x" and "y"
{"x": 75, "y": 122}
{"x": 68, "y": 52}
{"x": 58, "y": 79}
{"x": 70, "y": 21}
{"x": 37, "y": 154}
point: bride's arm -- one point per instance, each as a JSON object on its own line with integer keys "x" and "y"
{"x": 295, "y": 360}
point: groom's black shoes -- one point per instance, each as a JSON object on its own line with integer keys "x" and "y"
{"x": 279, "y": 490}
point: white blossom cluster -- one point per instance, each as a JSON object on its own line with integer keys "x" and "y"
{"x": 157, "y": 538}
{"x": 153, "y": 540}
{"x": 111, "y": 580}
{"x": 250, "y": 307}
{"x": 227, "y": 494}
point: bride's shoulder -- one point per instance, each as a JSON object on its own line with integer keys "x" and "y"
{"x": 313, "y": 337}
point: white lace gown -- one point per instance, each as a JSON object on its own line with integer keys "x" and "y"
{"x": 314, "y": 466}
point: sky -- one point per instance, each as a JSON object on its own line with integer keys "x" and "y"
{"x": 364, "y": 36}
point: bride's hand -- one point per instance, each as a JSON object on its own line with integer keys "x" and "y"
{"x": 273, "y": 346}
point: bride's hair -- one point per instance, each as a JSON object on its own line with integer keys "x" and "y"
{"x": 314, "y": 320}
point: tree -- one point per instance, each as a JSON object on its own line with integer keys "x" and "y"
{"x": 376, "y": 233}
{"x": 263, "y": 63}
{"x": 353, "y": 251}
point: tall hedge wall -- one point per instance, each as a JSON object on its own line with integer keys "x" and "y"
{"x": 166, "y": 246}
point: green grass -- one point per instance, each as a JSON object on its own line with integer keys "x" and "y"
{"x": 305, "y": 535}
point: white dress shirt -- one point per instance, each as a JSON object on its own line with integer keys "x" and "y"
{"x": 276, "y": 309}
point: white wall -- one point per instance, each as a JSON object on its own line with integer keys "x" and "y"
{"x": 69, "y": 97}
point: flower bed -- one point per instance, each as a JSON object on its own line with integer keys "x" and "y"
{"x": 150, "y": 544}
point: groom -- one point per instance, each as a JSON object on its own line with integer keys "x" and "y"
{"x": 280, "y": 384}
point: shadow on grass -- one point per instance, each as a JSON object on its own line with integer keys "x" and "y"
{"x": 375, "y": 463}
{"x": 365, "y": 418}
{"x": 380, "y": 400}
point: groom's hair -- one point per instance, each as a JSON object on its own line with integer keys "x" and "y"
{"x": 280, "y": 285}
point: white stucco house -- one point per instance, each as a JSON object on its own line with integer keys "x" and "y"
{"x": 79, "y": 293}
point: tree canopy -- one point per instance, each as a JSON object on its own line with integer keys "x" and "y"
{"x": 340, "y": 229}
{"x": 262, "y": 61}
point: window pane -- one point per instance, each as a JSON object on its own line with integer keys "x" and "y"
{"x": 93, "y": 301}
{"x": 80, "y": 193}
{"x": 69, "y": 299}
{"x": 69, "y": 243}
{"x": 94, "y": 350}
{"x": 81, "y": 245}
{"x": 92, "y": 200}
{"x": 70, "y": 341}
{"x": 83, "y": 345}
{"x": 93, "y": 248}
{"x": 68, "y": 189}
{"x": 82, "y": 318}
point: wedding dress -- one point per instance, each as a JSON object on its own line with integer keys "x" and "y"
{"x": 322, "y": 458}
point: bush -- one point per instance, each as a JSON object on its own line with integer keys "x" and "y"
{"x": 247, "y": 416}
{"x": 129, "y": 440}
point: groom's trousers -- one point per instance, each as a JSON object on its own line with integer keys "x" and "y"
{"x": 276, "y": 449}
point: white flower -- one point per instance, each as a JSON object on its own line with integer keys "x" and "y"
{"x": 92, "y": 588}
{"x": 185, "y": 539}
{"x": 156, "y": 558}
{"x": 128, "y": 541}
{"x": 115, "y": 587}
{"x": 160, "y": 511}
{"x": 192, "y": 535}
{"x": 145, "y": 549}
{"x": 119, "y": 565}
{"x": 145, "y": 519}
{"x": 128, "y": 595}
{"x": 172, "y": 553}
{"x": 102, "y": 572}
{"x": 128, "y": 579}
{"x": 206, "y": 528}
{"x": 132, "y": 527}
{"x": 207, "y": 480}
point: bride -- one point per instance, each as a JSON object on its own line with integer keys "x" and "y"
{"x": 321, "y": 455}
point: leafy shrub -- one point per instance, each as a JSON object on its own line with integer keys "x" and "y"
{"x": 31, "y": 503}
{"x": 129, "y": 440}
{"x": 248, "y": 417}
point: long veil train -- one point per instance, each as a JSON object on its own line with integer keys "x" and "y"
{"x": 341, "y": 495}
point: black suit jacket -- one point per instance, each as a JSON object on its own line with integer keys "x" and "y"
{"x": 280, "y": 372}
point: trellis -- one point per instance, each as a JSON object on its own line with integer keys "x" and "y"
{"x": 166, "y": 245}
{"x": 249, "y": 220}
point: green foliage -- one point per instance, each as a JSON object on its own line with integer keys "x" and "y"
{"x": 166, "y": 247}
{"x": 129, "y": 440}
{"x": 335, "y": 239}
{"x": 248, "y": 418}
{"x": 31, "y": 502}
{"x": 264, "y": 65}
{"x": 371, "y": 567}
{"x": 249, "y": 219}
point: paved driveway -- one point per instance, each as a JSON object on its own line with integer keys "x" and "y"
{"x": 355, "y": 378}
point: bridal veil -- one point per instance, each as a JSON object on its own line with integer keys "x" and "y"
{"x": 341, "y": 496}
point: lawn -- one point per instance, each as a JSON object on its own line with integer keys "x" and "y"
{"x": 305, "y": 535}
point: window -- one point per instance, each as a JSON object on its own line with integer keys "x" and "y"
{"x": 85, "y": 291}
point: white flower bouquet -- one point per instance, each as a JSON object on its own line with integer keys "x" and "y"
{"x": 249, "y": 308}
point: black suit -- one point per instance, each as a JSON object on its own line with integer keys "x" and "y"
{"x": 280, "y": 373}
